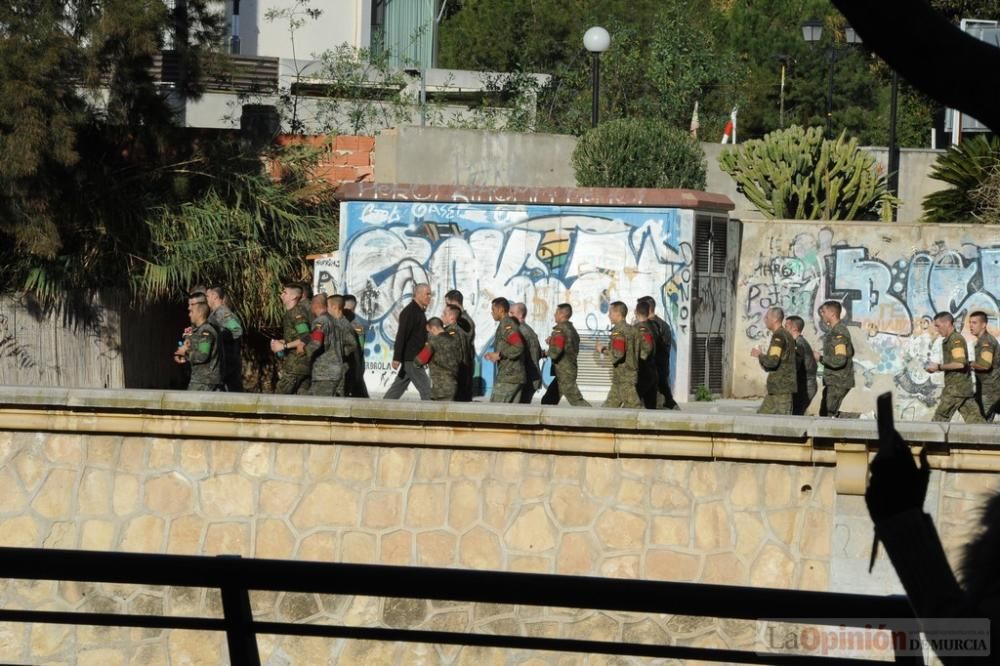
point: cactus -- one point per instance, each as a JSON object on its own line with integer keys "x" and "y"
{"x": 797, "y": 174}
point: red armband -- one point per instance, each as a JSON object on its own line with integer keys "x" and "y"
{"x": 515, "y": 339}
{"x": 618, "y": 344}
{"x": 317, "y": 335}
{"x": 559, "y": 342}
{"x": 424, "y": 356}
{"x": 648, "y": 338}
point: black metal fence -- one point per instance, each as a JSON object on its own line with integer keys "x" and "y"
{"x": 235, "y": 577}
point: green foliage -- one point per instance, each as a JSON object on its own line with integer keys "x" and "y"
{"x": 638, "y": 153}
{"x": 797, "y": 174}
{"x": 965, "y": 167}
{"x": 703, "y": 394}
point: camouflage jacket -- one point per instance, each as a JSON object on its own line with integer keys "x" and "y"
{"x": 564, "y": 350}
{"x": 838, "y": 357}
{"x": 443, "y": 355}
{"x": 295, "y": 325}
{"x": 348, "y": 340}
{"x": 532, "y": 357}
{"x": 230, "y": 333}
{"x": 507, "y": 341}
{"x": 465, "y": 345}
{"x": 467, "y": 324}
{"x": 646, "y": 334}
{"x": 779, "y": 361}
{"x": 624, "y": 346}
{"x": 204, "y": 356}
{"x": 957, "y": 383}
{"x": 326, "y": 349}
{"x": 988, "y": 356}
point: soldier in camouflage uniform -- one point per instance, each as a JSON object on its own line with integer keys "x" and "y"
{"x": 451, "y": 318}
{"x": 350, "y": 350}
{"x": 203, "y": 351}
{"x": 986, "y": 365}
{"x": 663, "y": 339}
{"x": 624, "y": 346}
{"x": 356, "y": 387}
{"x": 957, "y": 395}
{"x": 646, "y": 385}
{"x": 294, "y": 375}
{"x": 564, "y": 350}
{"x": 231, "y": 332}
{"x": 508, "y": 345}
{"x": 837, "y": 360}
{"x": 805, "y": 366}
{"x": 467, "y": 379}
{"x": 532, "y": 356}
{"x": 779, "y": 362}
{"x": 442, "y": 354}
{"x": 326, "y": 348}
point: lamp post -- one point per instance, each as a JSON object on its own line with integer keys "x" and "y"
{"x": 596, "y": 40}
{"x": 893, "y": 166}
{"x": 812, "y": 31}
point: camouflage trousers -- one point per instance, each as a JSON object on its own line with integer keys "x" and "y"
{"x": 290, "y": 384}
{"x": 990, "y": 404}
{"x": 833, "y": 396}
{"x": 504, "y": 392}
{"x": 328, "y": 389}
{"x": 967, "y": 407}
{"x": 564, "y": 389}
{"x": 443, "y": 389}
{"x": 623, "y": 394}
{"x": 776, "y": 403}
{"x": 198, "y": 386}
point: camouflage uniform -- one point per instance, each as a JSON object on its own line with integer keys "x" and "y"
{"x": 467, "y": 377}
{"x": 957, "y": 394}
{"x": 326, "y": 348}
{"x": 533, "y": 374}
{"x": 350, "y": 350}
{"x": 779, "y": 361}
{"x": 463, "y": 392}
{"x": 662, "y": 338}
{"x": 564, "y": 349}
{"x": 647, "y": 384}
{"x": 837, "y": 360}
{"x": 231, "y": 333}
{"x": 988, "y": 382}
{"x": 805, "y": 368}
{"x": 443, "y": 355}
{"x": 354, "y": 383}
{"x": 295, "y": 371}
{"x": 624, "y": 346}
{"x": 507, "y": 341}
{"x": 205, "y": 358}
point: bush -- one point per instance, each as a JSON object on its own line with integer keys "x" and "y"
{"x": 638, "y": 153}
{"x": 966, "y": 167}
{"x": 797, "y": 174}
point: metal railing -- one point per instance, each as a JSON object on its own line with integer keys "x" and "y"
{"x": 235, "y": 577}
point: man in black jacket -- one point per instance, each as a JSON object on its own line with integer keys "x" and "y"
{"x": 410, "y": 338}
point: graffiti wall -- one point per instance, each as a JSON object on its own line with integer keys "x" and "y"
{"x": 541, "y": 255}
{"x": 891, "y": 280}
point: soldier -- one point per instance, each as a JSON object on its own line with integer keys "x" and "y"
{"x": 805, "y": 366}
{"x": 466, "y": 323}
{"x": 356, "y": 386}
{"x": 450, "y": 316}
{"x": 624, "y": 345}
{"x": 564, "y": 350}
{"x": 326, "y": 347}
{"x": 349, "y": 349}
{"x": 957, "y": 395}
{"x": 532, "y": 355}
{"x": 203, "y": 351}
{"x": 294, "y": 373}
{"x": 837, "y": 360}
{"x": 231, "y": 333}
{"x": 647, "y": 383}
{"x": 664, "y": 339}
{"x": 779, "y": 362}
{"x": 442, "y": 353}
{"x": 986, "y": 365}
{"x": 508, "y": 346}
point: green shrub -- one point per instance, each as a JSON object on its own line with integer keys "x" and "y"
{"x": 797, "y": 174}
{"x": 703, "y": 394}
{"x": 966, "y": 168}
{"x": 638, "y": 153}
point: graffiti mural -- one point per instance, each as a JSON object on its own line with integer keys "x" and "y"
{"x": 539, "y": 254}
{"x": 890, "y": 288}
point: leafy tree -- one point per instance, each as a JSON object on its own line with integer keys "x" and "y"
{"x": 966, "y": 167}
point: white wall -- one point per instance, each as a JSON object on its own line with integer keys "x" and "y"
{"x": 341, "y": 21}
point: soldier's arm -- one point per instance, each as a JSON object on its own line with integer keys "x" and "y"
{"x": 234, "y": 326}
{"x": 201, "y": 349}
{"x": 511, "y": 344}
{"x": 350, "y": 344}
{"x": 647, "y": 344}
{"x": 957, "y": 357}
{"x": 841, "y": 353}
{"x": 557, "y": 345}
{"x": 772, "y": 359}
{"x": 425, "y": 355}
{"x": 316, "y": 338}
{"x": 617, "y": 347}
{"x": 984, "y": 358}
{"x": 810, "y": 360}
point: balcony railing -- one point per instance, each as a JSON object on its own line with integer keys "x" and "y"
{"x": 235, "y": 577}
{"x": 224, "y": 73}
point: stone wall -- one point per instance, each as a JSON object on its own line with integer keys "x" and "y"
{"x": 680, "y": 497}
{"x": 891, "y": 280}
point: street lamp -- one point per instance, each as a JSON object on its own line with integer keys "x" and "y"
{"x": 596, "y": 40}
{"x": 812, "y": 31}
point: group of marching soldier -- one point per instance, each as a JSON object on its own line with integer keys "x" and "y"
{"x": 791, "y": 366}
{"x": 321, "y": 351}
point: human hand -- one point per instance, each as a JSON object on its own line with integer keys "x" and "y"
{"x": 492, "y": 356}
{"x": 932, "y": 367}
{"x": 395, "y": 365}
{"x": 600, "y": 349}
{"x": 817, "y": 356}
{"x": 277, "y": 345}
{"x": 896, "y": 484}
{"x": 755, "y": 352}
